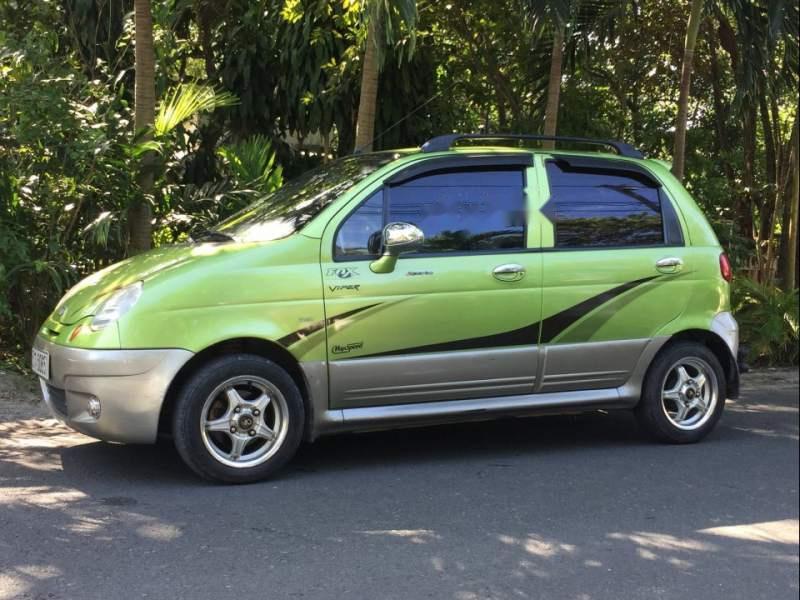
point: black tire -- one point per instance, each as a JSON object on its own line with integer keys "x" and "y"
{"x": 651, "y": 414}
{"x": 187, "y": 415}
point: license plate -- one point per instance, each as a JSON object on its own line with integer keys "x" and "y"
{"x": 40, "y": 363}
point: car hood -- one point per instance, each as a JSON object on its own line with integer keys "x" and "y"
{"x": 83, "y": 299}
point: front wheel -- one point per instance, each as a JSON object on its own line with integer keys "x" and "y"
{"x": 238, "y": 419}
{"x": 683, "y": 394}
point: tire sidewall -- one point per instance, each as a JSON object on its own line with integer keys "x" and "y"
{"x": 186, "y": 419}
{"x": 649, "y": 411}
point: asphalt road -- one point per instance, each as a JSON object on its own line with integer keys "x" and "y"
{"x": 555, "y": 507}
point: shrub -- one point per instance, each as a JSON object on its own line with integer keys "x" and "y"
{"x": 768, "y": 321}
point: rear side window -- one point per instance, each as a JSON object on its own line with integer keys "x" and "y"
{"x": 596, "y": 207}
{"x": 458, "y": 210}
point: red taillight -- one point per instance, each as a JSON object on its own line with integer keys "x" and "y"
{"x": 725, "y": 267}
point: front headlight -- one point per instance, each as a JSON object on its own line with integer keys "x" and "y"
{"x": 116, "y": 305}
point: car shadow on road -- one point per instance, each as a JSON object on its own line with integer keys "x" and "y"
{"x": 477, "y": 442}
{"x": 480, "y": 442}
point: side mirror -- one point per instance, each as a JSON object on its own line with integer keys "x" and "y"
{"x": 397, "y": 237}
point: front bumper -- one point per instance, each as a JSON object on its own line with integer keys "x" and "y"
{"x": 130, "y": 386}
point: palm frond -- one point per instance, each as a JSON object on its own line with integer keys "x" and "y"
{"x": 185, "y": 101}
{"x": 252, "y": 164}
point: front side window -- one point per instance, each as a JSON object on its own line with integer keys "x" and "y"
{"x": 596, "y": 207}
{"x": 357, "y": 235}
{"x": 458, "y": 210}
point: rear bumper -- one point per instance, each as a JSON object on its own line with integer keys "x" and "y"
{"x": 130, "y": 386}
{"x": 726, "y": 327}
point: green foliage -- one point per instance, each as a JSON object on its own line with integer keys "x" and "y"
{"x": 768, "y": 321}
{"x": 184, "y": 102}
{"x": 61, "y": 163}
{"x": 252, "y": 164}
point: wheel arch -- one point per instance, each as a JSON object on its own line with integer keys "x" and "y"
{"x": 720, "y": 349}
{"x": 243, "y": 345}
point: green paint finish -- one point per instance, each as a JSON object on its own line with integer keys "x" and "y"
{"x": 291, "y": 291}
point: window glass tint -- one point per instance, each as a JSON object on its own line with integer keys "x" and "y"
{"x": 464, "y": 211}
{"x": 596, "y": 207}
{"x": 361, "y": 226}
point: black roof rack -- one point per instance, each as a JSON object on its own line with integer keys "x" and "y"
{"x": 446, "y": 142}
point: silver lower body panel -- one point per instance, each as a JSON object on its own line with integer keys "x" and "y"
{"x": 615, "y": 383}
{"x": 432, "y": 377}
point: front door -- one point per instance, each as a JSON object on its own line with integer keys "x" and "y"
{"x": 457, "y": 318}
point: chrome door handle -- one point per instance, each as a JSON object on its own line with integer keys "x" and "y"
{"x": 670, "y": 264}
{"x": 509, "y": 272}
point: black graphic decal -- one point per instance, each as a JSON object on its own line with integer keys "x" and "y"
{"x": 298, "y": 335}
{"x": 528, "y": 335}
{"x": 524, "y": 336}
{"x": 554, "y": 325}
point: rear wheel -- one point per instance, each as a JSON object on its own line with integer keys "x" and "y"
{"x": 238, "y": 419}
{"x": 683, "y": 394}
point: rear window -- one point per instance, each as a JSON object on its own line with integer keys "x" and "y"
{"x": 597, "y": 207}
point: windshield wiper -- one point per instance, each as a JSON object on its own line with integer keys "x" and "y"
{"x": 209, "y": 235}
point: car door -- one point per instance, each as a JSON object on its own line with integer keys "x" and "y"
{"x": 615, "y": 268}
{"x": 458, "y": 317}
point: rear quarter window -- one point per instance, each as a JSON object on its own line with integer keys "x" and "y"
{"x": 603, "y": 207}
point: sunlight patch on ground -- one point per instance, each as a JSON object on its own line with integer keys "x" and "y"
{"x": 663, "y": 541}
{"x": 749, "y": 407}
{"x": 160, "y": 532}
{"x": 771, "y": 433}
{"x": 774, "y": 532}
{"x": 43, "y": 496}
{"x": 415, "y": 536}
{"x": 14, "y": 586}
{"x": 34, "y": 443}
{"x": 538, "y": 546}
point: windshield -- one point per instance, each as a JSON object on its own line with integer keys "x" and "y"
{"x": 288, "y": 209}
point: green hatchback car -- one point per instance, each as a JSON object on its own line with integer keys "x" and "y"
{"x": 414, "y": 287}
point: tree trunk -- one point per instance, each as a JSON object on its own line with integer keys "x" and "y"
{"x": 679, "y": 154}
{"x": 140, "y": 213}
{"x": 554, "y": 84}
{"x": 746, "y": 201}
{"x": 720, "y": 110}
{"x": 365, "y": 126}
{"x": 789, "y": 229}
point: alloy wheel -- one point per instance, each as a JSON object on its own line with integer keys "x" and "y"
{"x": 244, "y": 421}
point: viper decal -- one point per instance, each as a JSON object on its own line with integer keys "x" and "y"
{"x": 549, "y": 328}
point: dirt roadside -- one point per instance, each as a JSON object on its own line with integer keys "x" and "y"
{"x": 20, "y": 396}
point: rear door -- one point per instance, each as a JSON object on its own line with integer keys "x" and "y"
{"x": 614, "y": 267}
{"x": 456, "y": 319}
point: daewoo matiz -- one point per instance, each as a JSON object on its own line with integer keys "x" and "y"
{"x": 413, "y": 287}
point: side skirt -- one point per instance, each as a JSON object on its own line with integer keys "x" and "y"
{"x": 435, "y": 413}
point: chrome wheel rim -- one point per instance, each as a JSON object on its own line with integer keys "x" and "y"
{"x": 689, "y": 393}
{"x": 244, "y": 421}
